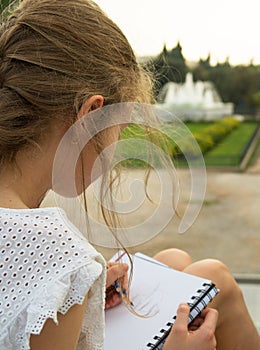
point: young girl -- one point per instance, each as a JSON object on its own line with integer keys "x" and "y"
{"x": 59, "y": 60}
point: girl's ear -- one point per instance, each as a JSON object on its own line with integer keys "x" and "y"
{"x": 93, "y": 103}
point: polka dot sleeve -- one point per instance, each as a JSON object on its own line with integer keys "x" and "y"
{"x": 46, "y": 267}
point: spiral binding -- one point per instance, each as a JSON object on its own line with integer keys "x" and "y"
{"x": 198, "y": 303}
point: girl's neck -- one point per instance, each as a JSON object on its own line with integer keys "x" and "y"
{"x": 17, "y": 193}
{"x": 25, "y": 184}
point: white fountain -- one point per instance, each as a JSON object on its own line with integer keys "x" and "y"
{"x": 194, "y": 100}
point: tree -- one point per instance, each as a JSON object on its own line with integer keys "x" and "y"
{"x": 202, "y": 70}
{"x": 169, "y": 66}
{"x": 177, "y": 63}
{"x": 235, "y": 84}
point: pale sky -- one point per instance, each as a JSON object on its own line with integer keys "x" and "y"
{"x": 223, "y": 27}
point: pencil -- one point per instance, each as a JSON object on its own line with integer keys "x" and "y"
{"x": 119, "y": 289}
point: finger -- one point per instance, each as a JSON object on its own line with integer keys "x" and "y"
{"x": 210, "y": 319}
{"x": 179, "y": 329}
{"x": 196, "y": 323}
{"x": 182, "y": 318}
{"x": 183, "y": 314}
{"x": 110, "y": 264}
{"x": 114, "y": 272}
{"x": 114, "y": 301}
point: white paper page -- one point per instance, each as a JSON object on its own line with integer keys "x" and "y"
{"x": 155, "y": 290}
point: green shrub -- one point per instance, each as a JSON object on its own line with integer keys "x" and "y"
{"x": 212, "y": 135}
{"x": 205, "y": 141}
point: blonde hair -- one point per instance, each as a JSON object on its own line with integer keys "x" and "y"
{"x": 54, "y": 55}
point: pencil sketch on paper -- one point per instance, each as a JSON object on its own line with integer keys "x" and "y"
{"x": 147, "y": 299}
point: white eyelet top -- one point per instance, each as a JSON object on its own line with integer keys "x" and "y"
{"x": 46, "y": 266}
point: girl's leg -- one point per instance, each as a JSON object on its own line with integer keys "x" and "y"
{"x": 235, "y": 329}
{"x": 176, "y": 258}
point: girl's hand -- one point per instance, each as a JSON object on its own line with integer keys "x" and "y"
{"x": 202, "y": 337}
{"x": 115, "y": 271}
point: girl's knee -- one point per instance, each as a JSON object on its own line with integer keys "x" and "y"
{"x": 209, "y": 268}
{"x": 218, "y": 273}
{"x": 175, "y": 258}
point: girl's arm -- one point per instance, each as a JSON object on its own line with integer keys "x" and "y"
{"x": 63, "y": 336}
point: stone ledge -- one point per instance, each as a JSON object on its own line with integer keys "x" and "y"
{"x": 247, "y": 278}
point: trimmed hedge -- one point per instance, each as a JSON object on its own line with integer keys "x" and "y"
{"x": 207, "y": 138}
{"x": 212, "y": 135}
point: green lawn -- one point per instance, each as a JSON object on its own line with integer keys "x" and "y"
{"x": 229, "y": 151}
{"x": 197, "y": 127}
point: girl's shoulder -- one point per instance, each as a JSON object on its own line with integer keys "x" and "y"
{"x": 41, "y": 236}
{"x": 42, "y": 228}
{"x": 44, "y": 260}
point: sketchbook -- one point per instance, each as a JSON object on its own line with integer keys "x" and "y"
{"x": 156, "y": 292}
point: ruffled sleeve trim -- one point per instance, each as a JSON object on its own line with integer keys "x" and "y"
{"x": 60, "y": 296}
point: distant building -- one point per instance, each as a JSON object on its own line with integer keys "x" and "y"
{"x": 194, "y": 100}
